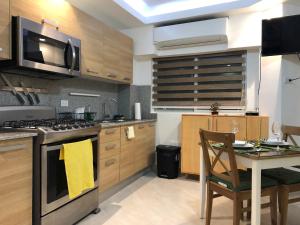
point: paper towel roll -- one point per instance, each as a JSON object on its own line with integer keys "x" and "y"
{"x": 137, "y": 109}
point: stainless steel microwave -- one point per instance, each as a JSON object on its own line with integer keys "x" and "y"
{"x": 41, "y": 50}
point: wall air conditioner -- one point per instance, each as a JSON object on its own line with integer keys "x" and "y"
{"x": 207, "y": 32}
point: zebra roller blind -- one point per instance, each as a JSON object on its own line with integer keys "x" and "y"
{"x": 200, "y": 80}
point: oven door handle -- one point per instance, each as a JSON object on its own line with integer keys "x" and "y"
{"x": 73, "y": 56}
{"x": 56, "y": 147}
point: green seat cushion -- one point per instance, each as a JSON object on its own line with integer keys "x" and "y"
{"x": 282, "y": 175}
{"x": 245, "y": 181}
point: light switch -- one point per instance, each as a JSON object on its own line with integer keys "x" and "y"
{"x": 64, "y": 103}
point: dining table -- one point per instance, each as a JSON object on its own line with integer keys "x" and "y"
{"x": 257, "y": 159}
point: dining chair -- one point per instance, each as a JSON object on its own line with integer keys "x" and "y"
{"x": 289, "y": 180}
{"x": 233, "y": 183}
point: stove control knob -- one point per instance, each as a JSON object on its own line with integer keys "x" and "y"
{"x": 69, "y": 126}
{"x": 56, "y": 127}
{"x": 63, "y": 127}
{"x": 76, "y": 126}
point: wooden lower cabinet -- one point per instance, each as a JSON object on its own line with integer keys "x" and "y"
{"x": 190, "y": 149}
{"x": 133, "y": 155}
{"x": 16, "y": 182}
{"x": 249, "y": 128}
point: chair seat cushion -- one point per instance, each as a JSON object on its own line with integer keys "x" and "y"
{"x": 245, "y": 181}
{"x": 282, "y": 175}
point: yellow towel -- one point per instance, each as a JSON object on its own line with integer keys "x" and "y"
{"x": 78, "y": 157}
{"x": 130, "y": 132}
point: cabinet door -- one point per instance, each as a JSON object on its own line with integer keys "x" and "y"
{"x": 190, "y": 150}
{"x": 117, "y": 56}
{"x": 4, "y": 30}
{"x": 127, "y": 166}
{"x": 226, "y": 124}
{"x": 16, "y": 182}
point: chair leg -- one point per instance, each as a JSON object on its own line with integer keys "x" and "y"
{"x": 236, "y": 209}
{"x": 209, "y": 202}
{"x": 283, "y": 204}
{"x": 249, "y": 212}
{"x": 273, "y": 207}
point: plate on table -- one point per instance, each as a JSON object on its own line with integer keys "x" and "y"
{"x": 283, "y": 144}
{"x": 242, "y": 145}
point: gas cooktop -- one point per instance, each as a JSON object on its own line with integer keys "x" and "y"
{"x": 48, "y": 124}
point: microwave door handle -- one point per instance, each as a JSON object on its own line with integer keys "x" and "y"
{"x": 73, "y": 56}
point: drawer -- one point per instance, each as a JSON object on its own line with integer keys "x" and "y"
{"x": 110, "y": 134}
{"x": 109, "y": 172}
{"x": 127, "y": 167}
{"x": 108, "y": 149}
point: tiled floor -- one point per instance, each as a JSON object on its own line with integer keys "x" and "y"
{"x": 154, "y": 201}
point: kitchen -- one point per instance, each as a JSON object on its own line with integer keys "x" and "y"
{"x": 73, "y": 71}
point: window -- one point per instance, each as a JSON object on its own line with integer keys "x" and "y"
{"x": 199, "y": 80}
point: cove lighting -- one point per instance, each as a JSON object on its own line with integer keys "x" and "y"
{"x": 173, "y": 6}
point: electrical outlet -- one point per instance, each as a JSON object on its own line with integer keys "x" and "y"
{"x": 64, "y": 103}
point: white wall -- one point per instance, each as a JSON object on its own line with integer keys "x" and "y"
{"x": 244, "y": 33}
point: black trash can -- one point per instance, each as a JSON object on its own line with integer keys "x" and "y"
{"x": 167, "y": 161}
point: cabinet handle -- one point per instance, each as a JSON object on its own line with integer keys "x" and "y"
{"x": 109, "y": 132}
{"x": 141, "y": 126}
{"x": 112, "y": 75}
{"x": 127, "y": 79}
{"x": 91, "y": 71}
{"x": 12, "y": 148}
{"x": 151, "y": 125}
{"x": 110, "y": 162}
{"x": 51, "y": 23}
{"x": 110, "y": 147}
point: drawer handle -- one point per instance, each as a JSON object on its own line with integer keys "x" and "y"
{"x": 91, "y": 71}
{"x": 112, "y": 75}
{"x": 141, "y": 126}
{"x": 110, "y": 162}
{"x": 109, "y": 132}
{"x": 127, "y": 79}
{"x": 110, "y": 147}
{"x": 12, "y": 148}
{"x": 51, "y": 23}
{"x": 151, "y": 125}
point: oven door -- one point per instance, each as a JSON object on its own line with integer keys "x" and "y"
{"x": 43, "y": 48}
{"x": 54, "y": 182}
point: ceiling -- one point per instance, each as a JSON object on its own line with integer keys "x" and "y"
{"x": 124, "y": 14}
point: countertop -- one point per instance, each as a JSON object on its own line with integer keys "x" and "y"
{"x": 125, "y": 123}
{"x": 15, "y": 135}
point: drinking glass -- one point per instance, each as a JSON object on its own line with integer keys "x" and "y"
{"x": 276, "y": 132}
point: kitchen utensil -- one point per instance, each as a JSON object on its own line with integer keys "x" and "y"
{"x": 36, "y": 96}
{"x": 27, "y": 94}
{"x": 13, "y": 89}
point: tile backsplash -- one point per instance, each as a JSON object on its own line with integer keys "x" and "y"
{"x": 60, "y": 90}
{"x": 126, "y": 95}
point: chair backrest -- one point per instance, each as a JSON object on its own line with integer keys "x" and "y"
{"x": 289, "y": 132}
{"x": 223, "y": 141}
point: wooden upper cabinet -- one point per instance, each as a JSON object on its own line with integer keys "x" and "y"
{"x": 4, "y": 30}
{"x": 226, "y": 124}
{"x": 117, "y": 55}
{"x": 190, "y": 148}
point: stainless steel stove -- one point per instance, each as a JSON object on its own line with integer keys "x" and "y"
{"x": 51, "y": 204}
